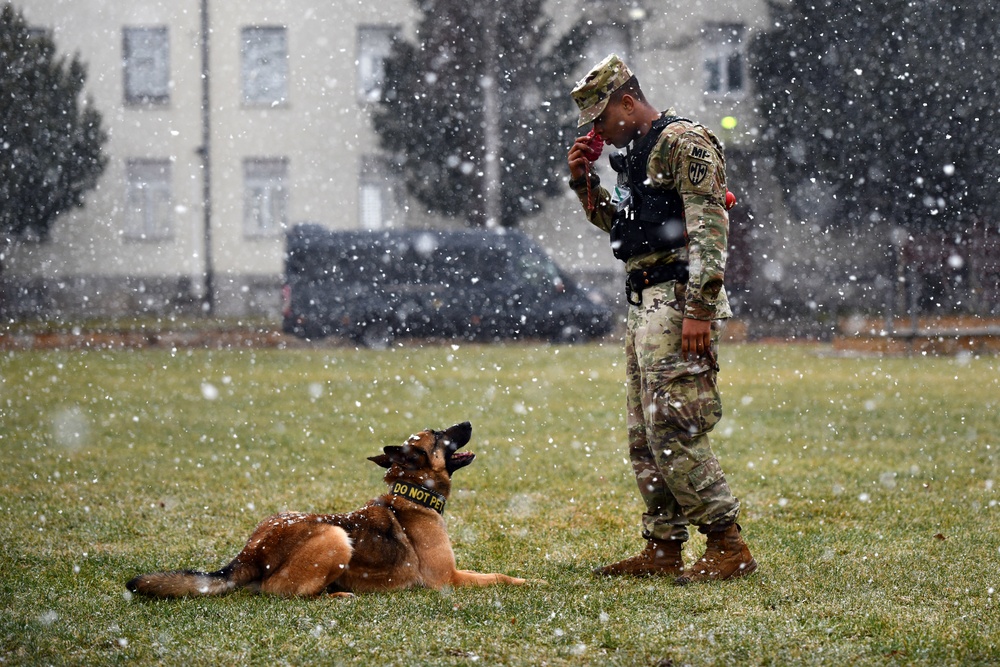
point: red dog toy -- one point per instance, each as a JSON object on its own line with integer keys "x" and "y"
{"x": 595, "y": 145}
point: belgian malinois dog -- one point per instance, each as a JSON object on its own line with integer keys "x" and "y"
{"x": 398, "y": 540}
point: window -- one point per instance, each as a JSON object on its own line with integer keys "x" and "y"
{"x": 148, "y": 207}
{"x": 265, "y": 199}
{"x": 379, "y": 194}
{"x": 374, "y": 46}
{"x": 265, "y": 66}
{"x": 146, "y": 56}
{"x": 372, "y": 210}
{"x": 35, "y": 32}
{"x": 724, "y": 59}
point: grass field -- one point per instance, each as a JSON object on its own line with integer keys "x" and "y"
{"x": 868, "y": 487}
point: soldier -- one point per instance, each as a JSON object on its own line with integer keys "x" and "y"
{"x": 667, "y": 221}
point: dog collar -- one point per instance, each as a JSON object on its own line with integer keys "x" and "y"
{"x": 420, "y": 495}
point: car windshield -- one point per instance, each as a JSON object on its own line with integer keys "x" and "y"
{"x": 538, "y": 269}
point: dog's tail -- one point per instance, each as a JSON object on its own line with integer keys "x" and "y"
{"x": 189, "y": 583}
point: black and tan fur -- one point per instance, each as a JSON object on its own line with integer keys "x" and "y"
{"x": 391, "y": 542}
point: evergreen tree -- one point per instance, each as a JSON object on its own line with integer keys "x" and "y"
{"x": 882, "y": 113}
{"x": 435, "y": 118}
{"x": 50, "y": 144}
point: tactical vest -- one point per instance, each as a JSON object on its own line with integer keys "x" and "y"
{"x": 647, "y": 218}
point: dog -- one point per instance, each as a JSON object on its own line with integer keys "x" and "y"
{"x": 398, "y": 540}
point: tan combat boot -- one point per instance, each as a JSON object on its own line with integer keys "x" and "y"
{"x": 726, "y": 557}
{"x": 660, "y": 558}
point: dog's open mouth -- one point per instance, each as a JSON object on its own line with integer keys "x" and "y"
{"x": 459, "y": 460}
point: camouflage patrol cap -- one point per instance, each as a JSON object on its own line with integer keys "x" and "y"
{"x": 592, "y": 92}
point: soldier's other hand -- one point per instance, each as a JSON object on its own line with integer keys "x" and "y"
{"x": 696, "y": 338}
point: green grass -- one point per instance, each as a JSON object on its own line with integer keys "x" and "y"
{"x": 867, "y": 484}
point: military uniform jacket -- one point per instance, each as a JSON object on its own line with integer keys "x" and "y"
{"x": 687, "y": 158}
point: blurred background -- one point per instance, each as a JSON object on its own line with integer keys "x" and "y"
{"x": 156, "y": 153}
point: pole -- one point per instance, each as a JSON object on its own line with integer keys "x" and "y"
{"x": 491, "y": 118}
{"x": 208, "y": 303}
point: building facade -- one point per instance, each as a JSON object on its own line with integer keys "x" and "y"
{"x": 229, "y": 123}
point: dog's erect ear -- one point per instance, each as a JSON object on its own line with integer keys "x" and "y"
{"x": 404, "y": 455}
{"x": 390, "y": 454}
{"x": 382, "y": 460}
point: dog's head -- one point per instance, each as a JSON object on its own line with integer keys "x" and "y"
{"x": 428, "y": 457}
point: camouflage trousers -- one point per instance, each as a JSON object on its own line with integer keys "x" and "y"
{"x": 672, "y": 405}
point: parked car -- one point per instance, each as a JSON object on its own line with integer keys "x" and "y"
{"x": 373, "y": 286}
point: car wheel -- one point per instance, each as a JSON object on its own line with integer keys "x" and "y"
{"x": 570, "y": 334}
{"x": 312, "y": 331}
{"x": 376, "y": 335}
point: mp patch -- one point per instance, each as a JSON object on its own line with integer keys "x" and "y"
{"x": 700, "y": 153}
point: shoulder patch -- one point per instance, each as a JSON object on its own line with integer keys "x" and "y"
{"x": 700, "y": 153}
{"x": 700, "y": 161}
{"x": 697, "y": 171}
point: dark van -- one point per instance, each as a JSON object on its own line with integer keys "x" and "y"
{"x": 373, "y": 286}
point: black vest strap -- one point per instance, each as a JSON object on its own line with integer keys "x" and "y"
{"x": 652, "y": 219}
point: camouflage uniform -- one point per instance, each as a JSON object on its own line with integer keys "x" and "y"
{"x": 673, "y": 403}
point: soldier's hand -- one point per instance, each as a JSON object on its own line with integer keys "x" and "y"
{"x": 579, "y": 165}
{"x": 696, "y": 338}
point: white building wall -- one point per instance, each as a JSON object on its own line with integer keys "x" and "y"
{"x": 90, "y": 240}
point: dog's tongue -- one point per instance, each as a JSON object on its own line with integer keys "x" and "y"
{"x": 459, "y": 460}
